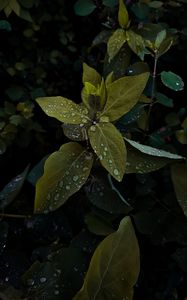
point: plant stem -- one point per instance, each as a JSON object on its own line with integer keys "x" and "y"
{"x": 14, "y": 216}
{"x": 116, "y": 190}
{"x": 152, "y": 91}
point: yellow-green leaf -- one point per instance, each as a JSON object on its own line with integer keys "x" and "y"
{"x": 181, "y": 136}
{"x": 123, "y": 94}
{"x": 114, "y": 267}
{"x": 109, "y": 146}
{"x": 90, "y": 75}
{"x": 64, "y": 110}
{"x": 136, "y": 43}
{"x": 115, "y": 42}
{"x": 65, "y": 172}
{"x": 179, "y": 177}
{"x": 123, "y": 17}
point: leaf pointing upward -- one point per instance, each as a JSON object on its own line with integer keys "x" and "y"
{"x": 114, "y": 267}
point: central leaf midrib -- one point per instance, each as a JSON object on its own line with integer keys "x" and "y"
{"x": 106, "y": 270}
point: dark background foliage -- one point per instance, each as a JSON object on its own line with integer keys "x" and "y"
{"x": 44, "y": 57}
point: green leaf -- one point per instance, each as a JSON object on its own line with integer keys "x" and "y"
{"x": 110, "y": 3}
{"x": 165, "y": 46}
{"x": 115, "y": 42}
{"x": 118, "y": 65}
{"x": 153, "y": 151}
{"x": 136, "y": 43}
{"x": 90, "y": 75}
{"x": 179, "y": 175}
{"x": 123, "y": 94}
{"x": 102, "y": 195}
{"x": 160, "y": 38}
{"x": 98, "y": 225}
{"x": 109, "y": 146}
{"x": 140, "y": 10}
{"x": 181, "y": 136}
{"x": 84, "y": 7}
{"x": 64, "y": 110}
{"x": 65, "y": 172}
{"x": 114, "y": 267}
{"x": 164, "y": 100}
{"x": 12, "y": 189}
{"x": 37, "y": 171}
{"x": 123, "y": 17}
{"x": 5, "y": 25}
{"x": 172, "y": 81}
{"x": 142, "y": 163}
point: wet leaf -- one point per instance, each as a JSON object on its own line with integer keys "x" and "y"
{"x": 103, "y": 196}
{"x": 123, "y": 17}
{"x": 140, "y": 10}
{"x": 12, "y": 189}
{"x": 153, "y": 151}
{"x": 172, "y": 81}
{"x": 115, "y": 42}
{"x": 64, "y": 110}
{"x": 65, "y": 172}
{"x": 59, "y": 278}
{"x": 75, "y": 132}
{"x": 179, "y": 175}
{"x": 118, "y": 65}
{"x": 84, "y": 7}
{"x": 139, "y": 162}
{"x": 114, "y": 267}
{"x": 136, "y": 43}
{"x": 123, "y": 94}
{"x": 165, "y": 46}
{"x": 110, "y": 151}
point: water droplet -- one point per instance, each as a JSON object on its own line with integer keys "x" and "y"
{"x": 43, "y": 279}
{"x": 100, "y": 157}
{"x": 67, "y": 187}
{"x": 93, "y": 128}
{"x": 30, "y": 281}
{"x": 61, "y": 184}
{"x": 106, "y": 149}
{"x": 110, "y": 161}
{"x": 104, "y": 153}
{"x": 6, "y": 279}
{"x": 116, "y": 172}
{"x": 75, "y": 178}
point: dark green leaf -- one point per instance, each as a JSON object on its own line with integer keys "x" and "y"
{"x": 172, "y": 81}
{"x": 12, "y": 189}
{"x": 98, "y": 225}
{"x": 164, "y": 100}
{"x": 84, "y": 7}
{"x": 110, "y": 3}
{"x": 5, "y": 25}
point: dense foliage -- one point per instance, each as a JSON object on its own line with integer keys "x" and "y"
{"x": 93, "y": 147}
